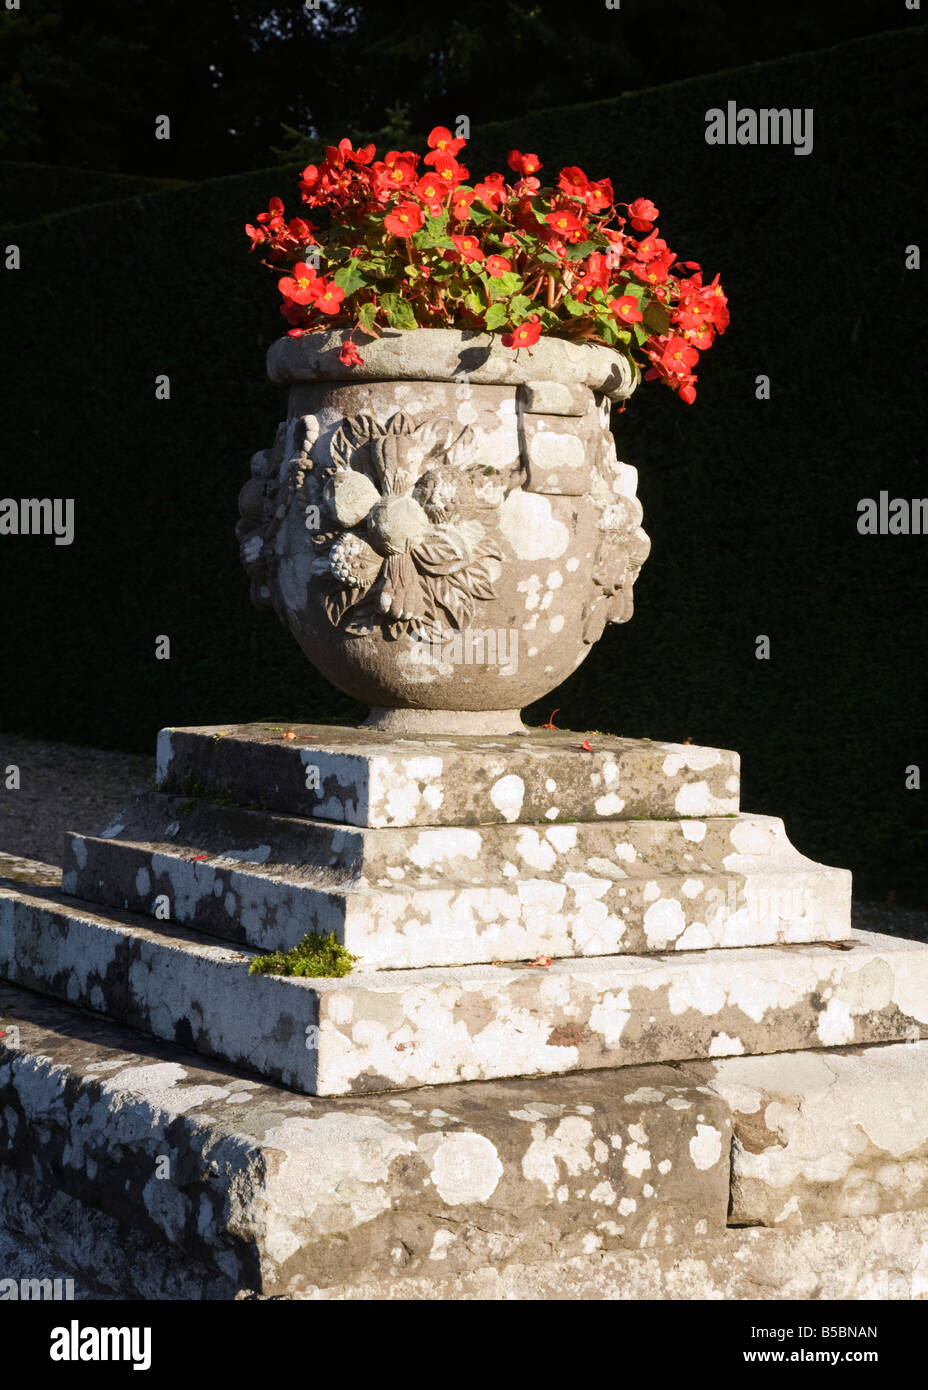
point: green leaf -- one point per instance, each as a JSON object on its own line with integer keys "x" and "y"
{"x": 496, "y": 316}
{"x": 367, "y": 315}
{"x": 520, "y": 306}
{"x": 580, "y": 251}
{"x": 656, "y": 317}
{"x": 399, "y": 313}
{"x": 349, "y": 278}
{"x": 501, "y": 286}
{"x": 574, "y": 306}
{"x": 642, "y": 334}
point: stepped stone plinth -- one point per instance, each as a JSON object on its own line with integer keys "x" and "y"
{"x": 519, "y": 905}
{"x": 665, "y": 1026}
{"x": 403, "y": 898}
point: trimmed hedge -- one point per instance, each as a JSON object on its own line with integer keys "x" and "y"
{"x": 751, "y": 505}
{"x": 28, "y": 191}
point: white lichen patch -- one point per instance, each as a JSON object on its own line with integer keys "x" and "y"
{"x": 569, "y": 1144}
{"x": 437, "y": 846}
{"x": 693, "y": 799}
{"x": 528, "y": 523}
{"x": 464, "y": 1167}
{"x": 705, "y": 1147}
{"x": 507, "y": 796}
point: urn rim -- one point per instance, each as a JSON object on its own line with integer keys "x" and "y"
{"x": 443, "y": 354}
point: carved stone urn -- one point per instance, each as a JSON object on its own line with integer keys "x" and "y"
{"x": 445, "y": 529}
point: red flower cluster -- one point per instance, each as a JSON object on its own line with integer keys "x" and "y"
{"x": 405, "y": 242}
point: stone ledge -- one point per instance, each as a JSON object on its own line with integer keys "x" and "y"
{"x": 365, "y": 779}
{"x": 442, "y": 354}
{"x": 872, "y": 1258}
{"x": 825, "y": 1134}
{"x": 269, "y": 1190}
{"x": 408, "y": 898}
{"x": 395, "y": 1029}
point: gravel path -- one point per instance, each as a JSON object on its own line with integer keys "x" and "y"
{"x": 63, "y": 787}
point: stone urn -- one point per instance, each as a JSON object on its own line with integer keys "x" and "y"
{"x": 445, "y": 529}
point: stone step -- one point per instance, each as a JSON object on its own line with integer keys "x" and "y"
{"x": 359, "y": 777}
{"x": 823, "y": 1135}
{"x": 389, "y": 1029}
{"x": 270, "y": 1191}
{"x": 135, "y": 1165}
{"x": 412, "y": 897}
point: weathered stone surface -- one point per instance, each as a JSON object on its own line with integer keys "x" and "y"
{"x": 360, "y": 777}
{"x": 820, "y": 1135}
{"x": 20, "y": 870}
{"x": 411, "y": 507}
{"x": 431, "y": 354}
{"x": 552, "y": 398}
{"x": 868, "y": 1258}
{"x": 871, "y": 1258}
{"x": 382, "y": 1030}
{"x": 266, "y": 1190}
{"x": 408, "y": 897}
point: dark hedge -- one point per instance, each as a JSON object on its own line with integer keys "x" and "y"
{"x": 28, "y": 191}
{"x": 751, "y": 506}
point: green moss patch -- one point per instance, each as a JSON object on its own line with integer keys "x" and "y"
{"x": 314, "y": 956}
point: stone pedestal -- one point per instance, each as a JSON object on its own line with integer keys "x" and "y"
{"x": 520, "y": 905}
{"x": 668, "y": 1025}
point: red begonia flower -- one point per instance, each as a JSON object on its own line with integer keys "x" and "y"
{"x": 300, "y": 284}
{"x": 655, "y": 272}
{"x": 350, "y": 355}
{"x": 449, "y": 171}
{"x": 643, "y": 214}
{"x": 441, "y": 141}
{"x": 626, "y": 309}
{"x": 563, "y": 221}
{"x": 491, "y": 191}
{"x": 404, "y": 219}
{"x": 678, "y": 357}
{"x": 523, "y": 164}
{"x": 328, "y": 297}
{"x": 525, "y": 335}
{"x": 468, "y": 247}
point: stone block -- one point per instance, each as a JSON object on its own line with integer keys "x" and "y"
{"x": 554, "y": 398}
{"x": 359, "y": 777}
{"x": 269, "y": 1191}
{"x": 391, "y": 1029}
{"x": 556, "y": 461}
{"x": 409, "y": 897}
{"x": 823, "y": 1135}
